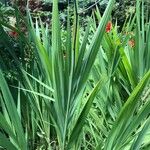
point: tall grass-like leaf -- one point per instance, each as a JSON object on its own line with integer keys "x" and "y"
{"x": 81, "y": 119}
{"x": 125, "y": 116}
{"x": 137, "y": 143}
{"x": 94, "y": 46}
{"x": 5, "y": 143}
{"x": 12, "y": 112}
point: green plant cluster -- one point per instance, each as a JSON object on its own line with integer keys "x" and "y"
{"x": 85, "y": 88}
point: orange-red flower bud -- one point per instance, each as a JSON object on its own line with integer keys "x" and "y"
{"x": 13, "y": 34}
{"x": 131, "y": 43}
{"x": 108, "y": 26}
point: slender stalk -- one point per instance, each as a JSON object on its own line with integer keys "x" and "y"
{"x": 75, "y": 32}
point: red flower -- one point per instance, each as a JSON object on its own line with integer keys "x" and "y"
{"x": 13, "y": 34}
{"x": 131, "y": 43}
{"x": 108, "y": 26}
